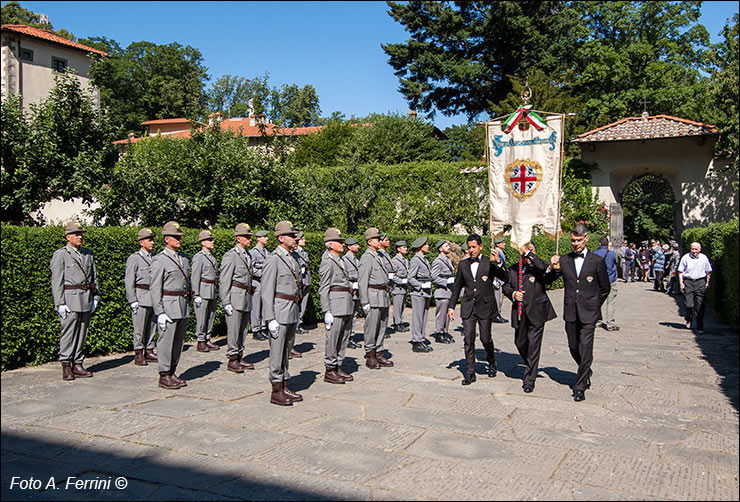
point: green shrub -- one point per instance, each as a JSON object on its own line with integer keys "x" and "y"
{"x": 721, "y": 243}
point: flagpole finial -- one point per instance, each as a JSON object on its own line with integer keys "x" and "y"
{"x": 526, "y": 93}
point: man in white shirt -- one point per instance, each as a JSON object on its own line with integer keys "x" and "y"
{"x": 694, "y": 272}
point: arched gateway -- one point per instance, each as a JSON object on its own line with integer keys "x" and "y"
{"x": 645, "y": 160}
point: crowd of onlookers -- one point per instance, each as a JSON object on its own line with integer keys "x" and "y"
{"x": 650, "y": 262}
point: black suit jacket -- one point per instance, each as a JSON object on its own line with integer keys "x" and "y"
{"x": 585, "y": 293}
{"x": 536, "y": 305}
{"x": 478, "y": 295}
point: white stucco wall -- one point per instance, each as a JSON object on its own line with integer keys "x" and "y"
{"x": 59, "y": 212}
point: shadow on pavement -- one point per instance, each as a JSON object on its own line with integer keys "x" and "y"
{"x": 111, "y": 363}
{"x": 257, "y": 357}
{"x": 200, "y": 370}
{"x": 562, "y": 377}
{"x": 304, "y": 347}
{"x": 303, "y": 381}
{"x": 147, "y": 478}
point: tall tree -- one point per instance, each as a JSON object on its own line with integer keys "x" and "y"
{"x": 460, "y": 54}
{"x": 147, "y": 81}
{"x": 13, "y": 13}
{"x": 294, "y": 106}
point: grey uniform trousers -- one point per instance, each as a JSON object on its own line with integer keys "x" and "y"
{"x": 355, "y": 307}
{"x": 204, "y": 316}
{"x": 74, "y": 333}
{"x": 169, "y": 345}
{"x": 441, "y": 321}
{"x": 304, "y": 304}
{"x": 145, "y": 322}
{"x": 609, "y": 307}
{"x": 399, "y": 303}
{"x": 419, "y": 312}
{"x": 280, "y": 346}
{"x": 336, "y": 340}
{"x": 257, "y": 322}
{"x": 236, "y": 331}
{"x": 376, "y": 319}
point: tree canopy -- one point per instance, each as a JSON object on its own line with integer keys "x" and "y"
{"x": 13, "y": 13}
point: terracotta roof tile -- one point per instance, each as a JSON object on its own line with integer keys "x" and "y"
{"x": 651, "y": 127}
{"x": 50, "y": 37}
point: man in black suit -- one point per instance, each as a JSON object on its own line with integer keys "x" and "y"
{"x": 478, "y": 305}
{"x": 586, "y": 289}
{"x": 536, "y": 310}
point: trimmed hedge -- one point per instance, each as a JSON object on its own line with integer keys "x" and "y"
{"x": 721, "y": 243}
{"x": 30, "y": 328}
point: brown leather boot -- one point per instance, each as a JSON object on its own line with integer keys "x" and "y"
{"x": 331, "y": 375}
{"x": 167, "y": 382}
{"x": 233, "y": 364}
{"x": 67, "y": 371}
{"x": 211, "y": 346}
{"x": 345, "y": 376}
{"x": 177, "y": 379}
{"x": 79, "y": 371}
{"x": 370, "y": 360}
{"x": 139, "y": 359}
{"x": 202, "y": 347}
{"x": 294, "y": 353}
{"x": 382, "y": 360}
{"x": 149, "y": 355}
{"x": 278, "y": 396}
{"x": 294, "y": 396}
{"x": 244, "y": 364}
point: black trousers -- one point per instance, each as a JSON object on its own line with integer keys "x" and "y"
{"x": 581, "y": 345}
{"x": 694, "y": 291}
{"x": 528, "y": 341}
{"x": 484, "y": 326}
{"x": 658, "y": 284}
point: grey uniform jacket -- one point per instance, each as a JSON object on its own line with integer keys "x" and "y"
{"x": 236, "y": 266}
{"x": 441, "y": 271}
{"x": 385, "y": 259}
{"x": 419, "y": 272}
{"x": 303, "y": 261}
{"x": 67, "y": 269}
{"x": 138, "y": 267}
{"x": 168, "y": 276}
{"x": 401, "y": 265}
{"x": 372, "y": 272}
{"x": 281, "y": 274}
{"x": 258, "y": 255}
{"x": 204, "y": 266}
{"x": 333, "y": 274}
{"x": 352, "y": 266}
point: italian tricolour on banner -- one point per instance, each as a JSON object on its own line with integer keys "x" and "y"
{"x": 524, "y": 173}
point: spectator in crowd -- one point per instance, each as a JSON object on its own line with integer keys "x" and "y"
{"x": 658, "y": 267}
{"x": 633, "y": 263}
{"x": 694, "y": 271}
{"x": 607, "y": 311}
{"x": 671, "y": 269}
{"x": 628, "y": 257}
{"x": 644, "y": 260}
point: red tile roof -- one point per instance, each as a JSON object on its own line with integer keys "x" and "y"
{"x": 50, "y": 37}
{"x": 171, "y": 121}
{"x": 651, "y": 127}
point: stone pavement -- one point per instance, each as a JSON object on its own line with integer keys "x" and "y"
{"x": 661, "y": 422}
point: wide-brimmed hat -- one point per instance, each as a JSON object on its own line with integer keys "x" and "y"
{"x": 372, "y": 233}
{"x": 242, "y": 230}
{"x": 73, "y": 227}
{"x": 333, "y": 234}
{"x": 419, "y": 242}
{"x": 205, "y": 235}
{"x": 145, "y": 233}
{"x": 172, "y": 229}
{"x": 284, "y": 228}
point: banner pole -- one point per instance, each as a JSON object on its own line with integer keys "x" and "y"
{"x": 560, "y": 187}
{"x": 487, "y": 153}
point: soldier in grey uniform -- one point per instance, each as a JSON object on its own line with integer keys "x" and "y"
{"x": 281, "y": 297}
{"x": 236, "y": 297}
{"x": 136, "y": 281}
{"x": 420, "y": 282}
{"x": 374, "y": 286}
{"x": 499, "y": 245}
{"x": 443, "y": 276}
{"x": 306, "y": 273}
{"x": 170, "y": 293}
{"x": 385, "y": 258}
{"x": 258, "y": 254}
{"x": 335, "y": 293}
{"x": 352, "y": 266}
{"x": 400, "y": 285}
{"x": 203, "y": 280}
{"x": 74, "y": 287}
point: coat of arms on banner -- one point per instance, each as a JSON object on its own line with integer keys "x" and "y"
{"x": 523, "y": 177}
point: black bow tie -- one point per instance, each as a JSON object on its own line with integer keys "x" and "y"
{"x": 580, "y": 255}
{"x": 475, "y": 260}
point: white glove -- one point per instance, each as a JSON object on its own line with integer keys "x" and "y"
{"x": 303, "y": 270}
{"x": 162, "y": 320}
{"x": 135, "y": 306}
{"x": 450, "y": 280}
{"x": 404, "y": 281}
{"x": 426, "y": 285}
{"x": 198, "y": 301}
{"x": 273, "y": 326}
{"x": 366, "y": 308}
{"x": 228, "y": 309}
{"x": 391, "y": 275}
{"x": 355, "y": 285}
{"x": 63, "y": 310}
{"x": 94, "y": 305}
{"x": 328, "y": 320}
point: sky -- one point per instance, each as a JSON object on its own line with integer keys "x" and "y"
{"x": 333, "y": 46}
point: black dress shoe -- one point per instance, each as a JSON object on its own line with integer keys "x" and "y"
{"x": 449, "y": 337}
{"x": 578, "y": 395}
{"x": 500, "y": 320}
{"x": 301, "y": 331}
{"x": 401, "y": 328}
{"x": 588, "y": 382}
{"x": 386, "y": 335}
{"x": 468, "y": 379}
{"x": 528, "y": 388}
{"x": 353, "y": 345}
{"x": 420, "y": 347}
{"x": 441, "y": 338}
{"x": 425, "y": 341}
{"x": 492, "y": 371}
